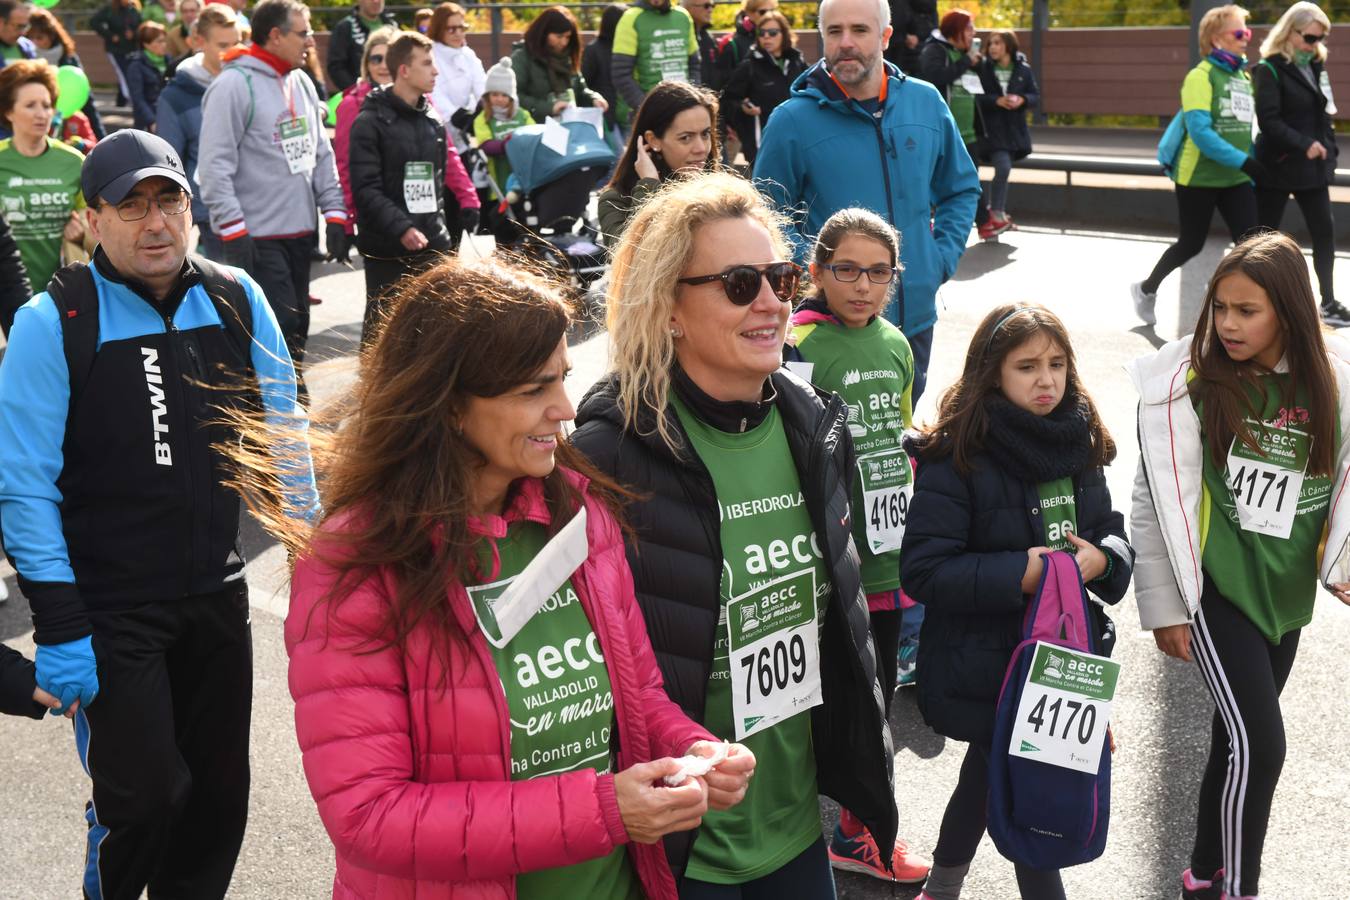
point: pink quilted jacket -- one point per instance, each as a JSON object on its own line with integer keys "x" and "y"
{"x": 412, "y": 777}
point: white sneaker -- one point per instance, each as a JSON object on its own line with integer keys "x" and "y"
{"x": 4, "y": 591}
{"x": 1144, "y": 303}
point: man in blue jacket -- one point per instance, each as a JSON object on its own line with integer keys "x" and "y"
{"x": 115, "y": 393}
{"x": 858, "y": 132}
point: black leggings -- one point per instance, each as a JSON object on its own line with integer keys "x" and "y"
{"x": 1195, "y": 209}
{"x": 1316, "y": 207}
{"x": 886, "y": 640}
{"x": 1245, "y": 674}
{"x": 807, "y": 877}
{"x": 963, "y": 825}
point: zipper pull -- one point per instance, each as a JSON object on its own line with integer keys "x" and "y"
{"x": 743, "y": 424}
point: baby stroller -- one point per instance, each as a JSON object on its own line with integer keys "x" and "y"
{"x": 549, "y": 193}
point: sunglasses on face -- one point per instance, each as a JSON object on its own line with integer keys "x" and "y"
{"x": 741, "y": 283}
{"x": 1312, "y": 38}
{"x": 455, "y": 29}
{"x": 377, "y": 59}
{"x": 770, "y": 32}
{"x": 703, "y": 6}
{"x": 1242, "y": 34}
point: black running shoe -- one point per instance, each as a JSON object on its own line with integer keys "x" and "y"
{"x": 1335, "y": 315}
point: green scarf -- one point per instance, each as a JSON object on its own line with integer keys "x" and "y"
{"x": 155, "y": 60}
{"x": 1303, "y": 57}
{"x": 559, "y": 72}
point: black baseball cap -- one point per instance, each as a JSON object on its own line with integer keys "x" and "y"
{"x": 123, "y": 160}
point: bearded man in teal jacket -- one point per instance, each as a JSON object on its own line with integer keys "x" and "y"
{"x": 858, "y": 132}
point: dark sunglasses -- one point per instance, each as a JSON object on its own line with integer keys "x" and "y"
{"x": 1242, "y": 34}
{"x": 376, "y": 59}
{"x": 741, "y": 283}
{"x": 1312, "y": 38}
{"x": 770, "y": 32}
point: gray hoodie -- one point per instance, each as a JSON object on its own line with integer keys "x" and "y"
{"x": 245, "y": 180}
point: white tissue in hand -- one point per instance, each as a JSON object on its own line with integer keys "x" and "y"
{"x": 697, "y": 766}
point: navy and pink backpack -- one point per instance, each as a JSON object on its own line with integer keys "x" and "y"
{"x": 1042, "y": 815}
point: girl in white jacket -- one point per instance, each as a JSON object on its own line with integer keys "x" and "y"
{"x": 1242, "y": 476}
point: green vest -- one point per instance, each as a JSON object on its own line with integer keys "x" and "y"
{"x": 1272, "y": 580}
{"x": 765, "y": 533}
{"x": 1227, "y": 97}
{"x": 872, "y": 370}
{"x": 962, "y": 102}
{"x": 562, "y": 711}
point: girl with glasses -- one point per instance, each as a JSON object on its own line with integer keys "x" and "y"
{"x": 764, "y": 79}
{"x": 740, "y": 542}
{"x": 1012, "y": 469}
{"x": 1212, "y": 165}
{"x": 839, "y": 336}
{"x": 1297, "y": 143}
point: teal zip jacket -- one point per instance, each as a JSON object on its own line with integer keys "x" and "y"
{"x": 822, "y": 152}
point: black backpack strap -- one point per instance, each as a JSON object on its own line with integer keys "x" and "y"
{"x": 73, "y": 291}
{"x": 232, "y": 305}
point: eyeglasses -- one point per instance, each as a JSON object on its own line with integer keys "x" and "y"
{"x": 770, "y": 32}
{"x": 702, "y": 6}
{"x": 741, "y": 283}
{"x": 1311, "y": 38}
{"x": 765, "y": 9}
{"x": 376, "y": 59}
{"x": 456, "y": 29}
{"x": 133, "y": 209}
{"x": 849, "y": 273}
{"x": 1242, "y": 34}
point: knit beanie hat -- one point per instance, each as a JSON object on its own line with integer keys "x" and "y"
{"x": 502, "y": 79}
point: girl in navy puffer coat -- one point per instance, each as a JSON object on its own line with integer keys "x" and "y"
{"x": 1011, "y": 470}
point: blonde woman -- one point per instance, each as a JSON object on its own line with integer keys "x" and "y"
{"x": 747, "y": 581}
{"x": 1297, "y": 143}
{"x": 1214, "y": 169}
{"x": 374, "y": 73}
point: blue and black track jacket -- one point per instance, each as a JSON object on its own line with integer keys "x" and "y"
{"x": 119, "y": 498}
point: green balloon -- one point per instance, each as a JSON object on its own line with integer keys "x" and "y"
{"x": 72, "y": 89}
{"x": 333, "y": 102}
{"x": 45, "y": 4}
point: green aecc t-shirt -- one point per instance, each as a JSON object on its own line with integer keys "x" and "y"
{"x": 765, "y": 533}
{"x": 1272, "y": 580}
{"x": 872, "y": 370}
{"x": 562, "y": 711}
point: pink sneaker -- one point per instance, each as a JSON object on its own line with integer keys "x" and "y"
{"x": 860, "y": 854}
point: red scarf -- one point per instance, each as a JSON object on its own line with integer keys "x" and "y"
{"x": 282, "y": 67}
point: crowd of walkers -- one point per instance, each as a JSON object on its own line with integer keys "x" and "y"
{"x": 626, "y": 659}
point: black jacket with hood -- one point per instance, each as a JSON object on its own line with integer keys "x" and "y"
{"x": 15, "y": 290}
{"x": 764, "y": 81}
{"x": 348, "y": 43}
{"x": 676, "y": 558}
{"x": 1006, "y": 129}
{"x": 1292, "y": 113}
{"x": 387, "y": 135}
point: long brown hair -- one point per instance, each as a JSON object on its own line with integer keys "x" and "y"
{"x": 397, "y": 474}
{"x": 656, "y": 114}
{"x": 1274, "y": 262}
{"x": 554, "y": 20}
{"x": 963, "y": 424}
{"x": 43, "y": 22}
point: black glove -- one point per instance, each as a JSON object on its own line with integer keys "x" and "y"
{"x": 468, "y": 218}
{"x": 338, "y": 245}
{"x": 462, "y": 119}
{"x": 239, "y": 252}
{"x": 1253, "y": 169}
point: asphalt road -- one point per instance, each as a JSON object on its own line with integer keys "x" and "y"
{"x": 1160, "y": 719}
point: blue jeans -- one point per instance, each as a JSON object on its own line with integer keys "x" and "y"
{"x": 910, "y": 623}
{"x": 1002, "y": 162}
{"x": 807, "y": 877}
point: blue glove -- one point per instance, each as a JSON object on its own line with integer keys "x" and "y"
{"x": 68, "y": 672}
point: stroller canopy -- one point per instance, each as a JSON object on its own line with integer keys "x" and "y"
{"x": 536, "y": 165}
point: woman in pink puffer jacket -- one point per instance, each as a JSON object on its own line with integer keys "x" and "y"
{"x": 442, "y": 762}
